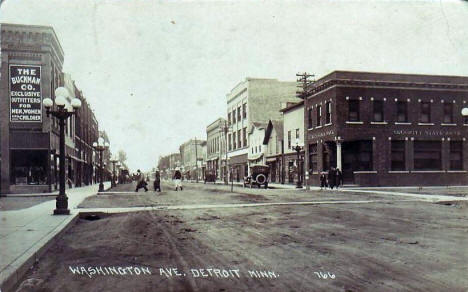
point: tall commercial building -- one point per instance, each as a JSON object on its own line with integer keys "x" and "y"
{"x": 31, "y": 70}
{"x": 252, "y": 100}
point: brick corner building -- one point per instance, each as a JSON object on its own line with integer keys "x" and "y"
{"x": 385, "y": 129}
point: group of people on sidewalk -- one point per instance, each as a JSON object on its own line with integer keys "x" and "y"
{"x": 333, "y": 179}
{"x": 142, "y": 183}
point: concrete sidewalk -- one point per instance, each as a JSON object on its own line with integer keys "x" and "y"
{"x": 26, "y": 234}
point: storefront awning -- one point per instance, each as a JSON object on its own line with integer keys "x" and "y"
{"x": 271, "y": 159}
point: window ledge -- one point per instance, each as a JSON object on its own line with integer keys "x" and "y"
{"x": 456, "y": 171}
{"x": 402, "y": 123}
{"x": 365, "y": 171}
{"x": 425, "y": 124}
{"x": 427, "y": 171}
{"x": 448, "y": 124}
{"x": 329, "y": 124}
{"x": 398, "y": 171}
{"x": 354, "y": 123}
{"x": 378, "y": 123}
{"x": 318, "y": 127}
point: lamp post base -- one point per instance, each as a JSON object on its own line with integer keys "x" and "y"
{"x": 61, "y": 205}
{"x": 61, "y": 212}
{"x": 101, "y": 187}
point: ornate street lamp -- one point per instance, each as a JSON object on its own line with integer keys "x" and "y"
{"x": 114, "y": 160}
{"x": 100, "y": 146}
{"x": 298, "y": 148}
{"x": 62, "y": 113}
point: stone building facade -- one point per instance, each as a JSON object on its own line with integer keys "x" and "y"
{"x": 252, "y": 100}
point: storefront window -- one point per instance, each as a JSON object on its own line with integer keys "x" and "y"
{"x": 398, "y": 155}
{"x": 456, "y": 155}
{"x": 427, "y": 155}
{"x": 313, "y": 157}
{"x": 29, "y": 167}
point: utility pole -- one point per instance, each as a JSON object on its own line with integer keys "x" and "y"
{"x": 305, "y": 84}
{"x": 196, "y": 160}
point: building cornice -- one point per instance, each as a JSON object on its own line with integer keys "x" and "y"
{"x": 31, "y": 38}
{"x": 389, "y": 84}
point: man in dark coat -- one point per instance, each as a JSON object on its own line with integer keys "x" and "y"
{"x": 141, "y": 182}
{"x": 332, "y": 177}
{"x": 157, "y": 182}
{"x": 339, "y": 178}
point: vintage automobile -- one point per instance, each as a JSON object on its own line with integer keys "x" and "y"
{"x": 210, "y": 175}
{"x": 258, "y": 176}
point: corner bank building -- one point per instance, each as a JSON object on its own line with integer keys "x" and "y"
{"x": 31, "y": 65}
{"x": 385, "y": 129}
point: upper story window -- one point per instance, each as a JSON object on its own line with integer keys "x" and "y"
{"x": 402, "y": 111}
{"x": 239, "y": 139}
{"x": 297, "y": 133}
{"x": 289, "y": 139}
{"x": 353, "y": 110}
{"x": 328, "y": 113}
{"x": 319, "y": 115}
{"x": 230, "y": 144}
{"x": 244, "y": 136}
{"x": 309, "y": 118}
{"x": 425, "y": 112}
{"x": 234, "y": 140}
{"x": 378, "y": 110}
{"x": 239, "y": 113}
{"x": 234, "y": 116}
{"x": 448, "y": 113}
{"x": 244, "y": 110}
{"x": 229, "y": 118}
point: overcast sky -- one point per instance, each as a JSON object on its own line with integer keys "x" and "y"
{"x": 157, "y": 72}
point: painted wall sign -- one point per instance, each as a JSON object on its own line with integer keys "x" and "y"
{"x": 321, "y": 134}
{"x": 427, "y": 132}
{"x": 25, "y": 93}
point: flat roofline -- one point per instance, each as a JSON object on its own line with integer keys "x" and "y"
{"x": 395, "y": 74}
{"x": 46, "y": 27}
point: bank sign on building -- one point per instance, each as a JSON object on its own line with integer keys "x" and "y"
{"x": 25, "y": 93}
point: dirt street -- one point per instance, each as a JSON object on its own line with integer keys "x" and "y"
{"x": 391, "y": 246}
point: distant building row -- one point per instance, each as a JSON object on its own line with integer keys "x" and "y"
{"x": 379, "y": 129}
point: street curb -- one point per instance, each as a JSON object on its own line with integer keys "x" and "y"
{"x": 15, "y": 273}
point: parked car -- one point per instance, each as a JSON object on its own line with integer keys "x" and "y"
{"x": 210, "y": 175}
{"x": 258, "y": 176}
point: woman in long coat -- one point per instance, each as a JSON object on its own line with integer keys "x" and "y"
{"x": 157, "y": 182}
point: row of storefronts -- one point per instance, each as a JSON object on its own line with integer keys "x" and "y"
{"x": 31, "y": 61}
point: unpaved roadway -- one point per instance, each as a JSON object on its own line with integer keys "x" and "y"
{"x": 391, "y": 246}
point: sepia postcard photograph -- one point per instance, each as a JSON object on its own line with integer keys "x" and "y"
{"x": 233, "y": 145}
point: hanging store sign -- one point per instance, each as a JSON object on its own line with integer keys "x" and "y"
{"x": 25, "y": 93}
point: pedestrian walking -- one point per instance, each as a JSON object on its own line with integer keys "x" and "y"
{"x": 332, "y": 178}
{"x": 323, "y": 181}
{"x": 141, "y": 182}
{"x": 157, "y": 181}
{"x": 339, "y": 178}
{"x": 177, "y": 179}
